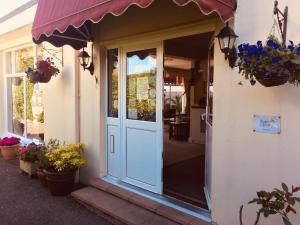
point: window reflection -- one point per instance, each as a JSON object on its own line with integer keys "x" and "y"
{"x": 35, "y": 111}
{"x": 141, "y": 85}
{"x": 17, "y": 105}
{"x": 113, "y": 77}
{"x": 24, "y": 59}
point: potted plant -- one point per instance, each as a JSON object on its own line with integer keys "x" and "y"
{"x": 64, "y": 162}
{"x": 28, "y": 157}
{"x": 9, "y": 147}
{"x": 43, "y": 72}
{"x": 277, "y": 202}
{"x": 271, "y": 64}
{"x": 43, "y": 161}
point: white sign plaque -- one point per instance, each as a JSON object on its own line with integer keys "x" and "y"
{"x": 267, "y": 124}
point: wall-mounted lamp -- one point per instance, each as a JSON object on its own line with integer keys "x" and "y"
{"x": 84, "y": 58}
{"x": 227, "y": 38}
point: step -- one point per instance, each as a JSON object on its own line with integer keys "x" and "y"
{"x": 120, "y": 210}
{"x": 125, "y": 206}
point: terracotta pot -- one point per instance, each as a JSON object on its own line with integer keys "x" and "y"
{"x": 28, "y": 167}
{"x": 9, "y": 152}
{"x": 42, "y": 176}
{"x": 60, "y": 184}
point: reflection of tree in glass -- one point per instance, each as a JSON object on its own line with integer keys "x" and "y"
{"x": 114, "y": 107}
{"x": 19, "y": 100}
{"x": 24, "y": 59}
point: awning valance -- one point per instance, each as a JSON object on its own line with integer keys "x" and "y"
{"x": 63, "y": 22}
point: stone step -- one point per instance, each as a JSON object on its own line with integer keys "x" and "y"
{"x": 121, "y": 211}
{"x": 144, "y": 204}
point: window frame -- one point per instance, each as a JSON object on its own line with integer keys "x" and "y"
{"x": 7, "y": 98}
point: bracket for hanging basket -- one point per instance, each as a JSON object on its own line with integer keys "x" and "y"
{"x": 282, "y": 18}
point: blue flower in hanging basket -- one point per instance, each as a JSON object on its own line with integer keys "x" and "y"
{"x": 271, "y": 64}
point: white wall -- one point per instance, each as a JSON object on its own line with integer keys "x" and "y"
{"x": 243, "y": 161}
{"x": 60, "y": 99}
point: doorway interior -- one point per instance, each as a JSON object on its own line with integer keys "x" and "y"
{"x": 186, "y": 68}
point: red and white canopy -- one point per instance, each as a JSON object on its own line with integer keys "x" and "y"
{"x": 63, "y": 22}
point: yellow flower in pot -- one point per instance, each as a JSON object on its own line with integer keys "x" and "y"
{"x": 9, "y": 147}
{"x": 64, "y": 162}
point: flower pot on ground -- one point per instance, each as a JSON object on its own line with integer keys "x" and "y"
{"x": 28, "y": 157}
{"x": 271, "y": 64}
{"x": 42, "y": 176}
{"x": 28, "y": 167}
{"x": 43, "y": 161}
{"x": 60, "y": 183}
{"x": 9, "y": 147}
{"x": 64, "y": 162}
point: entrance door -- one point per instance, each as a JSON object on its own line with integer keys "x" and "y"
{"x": 137, "y": 132}
{"x": 209, "y": 124}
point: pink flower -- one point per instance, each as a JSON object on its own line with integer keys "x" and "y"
{"x": 22, "y": 150}
{"x": 9, "y": 141}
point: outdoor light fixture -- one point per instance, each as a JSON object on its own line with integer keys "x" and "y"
{"x": 227, "y": 38}
{"x": 84, "y": 58}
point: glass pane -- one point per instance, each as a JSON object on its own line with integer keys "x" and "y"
{"x": 113, "y": 76}
{"x": 16, "y": 100}
{"x": 210, "y": 84}
{"x": 39, "y": 52}
{"x": 141, "y": 85}
{"x": 35, "y": 110}
{"x": 24, "y": 59}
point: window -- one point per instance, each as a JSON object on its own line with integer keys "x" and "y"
{"x": 141, "y": 85}
{"x": 113, "y": 81}
{"x": 25, "y": 108}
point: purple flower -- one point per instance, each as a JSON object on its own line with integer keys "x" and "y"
{"x": 298, "y": 51}
{"x": 271, "y": 43}
{"x": 276, "y": 59}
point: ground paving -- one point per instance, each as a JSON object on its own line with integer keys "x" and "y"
{"x": 23, "y": 201}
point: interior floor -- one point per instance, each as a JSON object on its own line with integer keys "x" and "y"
{"x": 185, "y": 70}
{"x": 184, "y": 166}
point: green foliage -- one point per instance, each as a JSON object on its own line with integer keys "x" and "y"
{"x": 41, "y": 117}
{"x": 278, "y": 201}
{"x": 19, "y": 100}
{"x": 31, "y": 152}
{"x": 177, "y": 102}
{"x": 43, "y": 161}
{"x": 67, "y": 157}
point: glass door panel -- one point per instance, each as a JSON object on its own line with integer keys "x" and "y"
{"x": 141, "y": 85}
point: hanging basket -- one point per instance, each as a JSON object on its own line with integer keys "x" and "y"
{"x": 271, "y": 80}
{"x": 33, "y": 76}
{"x": 44, "y": 78}
{"x": 43, "y": 72}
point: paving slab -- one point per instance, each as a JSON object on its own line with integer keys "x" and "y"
{"x": 24, "y": 201}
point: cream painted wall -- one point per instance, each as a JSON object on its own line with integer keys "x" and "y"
{"x": 61, "y": 99}
{"x": 90, "y": 119}
{"x": 244, "y": 161}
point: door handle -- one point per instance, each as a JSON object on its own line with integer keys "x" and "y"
{"x": 112, "y": 143}
{"x": 203, "y": 115}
